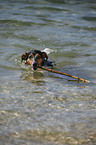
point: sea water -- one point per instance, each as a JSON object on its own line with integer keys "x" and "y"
{"x": 39, "y": 107}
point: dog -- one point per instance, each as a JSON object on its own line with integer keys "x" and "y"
{"x": 36, "y": 58}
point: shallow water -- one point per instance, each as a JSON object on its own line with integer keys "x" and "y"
{"x": 40, "y": 107}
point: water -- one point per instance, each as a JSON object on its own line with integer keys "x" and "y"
{"x": 40, "y": 107}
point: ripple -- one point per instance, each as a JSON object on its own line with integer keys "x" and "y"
{"x": 18, "y": 23}
{"x": 48, "y": 135}
{"x": 89, "y": 18}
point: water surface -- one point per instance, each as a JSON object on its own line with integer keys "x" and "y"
{"x": 40, "y": 107}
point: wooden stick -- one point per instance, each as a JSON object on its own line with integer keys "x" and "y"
{"x": 53, "y": 71}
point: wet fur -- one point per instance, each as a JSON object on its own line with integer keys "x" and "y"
{"x": 35, "y": 58}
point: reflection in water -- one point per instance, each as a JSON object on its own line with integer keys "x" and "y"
{"x": 35, "y": 77}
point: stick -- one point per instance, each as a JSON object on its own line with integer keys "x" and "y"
{"x": 64, "y": 74}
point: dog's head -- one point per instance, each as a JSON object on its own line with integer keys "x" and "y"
{"x": 35, "y": 58}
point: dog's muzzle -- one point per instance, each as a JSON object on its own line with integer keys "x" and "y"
{"x": 34, "y": 64}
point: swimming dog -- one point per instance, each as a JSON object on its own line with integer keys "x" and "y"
{"x": 36, "y": 58}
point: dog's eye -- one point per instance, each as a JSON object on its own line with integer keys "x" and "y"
{"x": 31, "y": 55}
{"x": 38, "y": 57}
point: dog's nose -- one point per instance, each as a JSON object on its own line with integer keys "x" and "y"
{"x": 34, "y": 64}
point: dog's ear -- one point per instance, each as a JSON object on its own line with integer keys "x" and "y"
{"x": 24, "y": 56}
{"x": 44, "y": 55}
